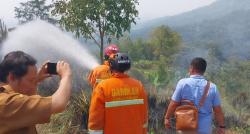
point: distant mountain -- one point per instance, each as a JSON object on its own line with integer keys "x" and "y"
{"x": 213, "y": 11}
{"x": 224, "y": 22}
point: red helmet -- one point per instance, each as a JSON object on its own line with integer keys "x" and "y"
{"x": 111, "y": 49}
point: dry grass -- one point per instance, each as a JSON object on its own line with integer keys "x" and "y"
{"x": 74, "y": 119}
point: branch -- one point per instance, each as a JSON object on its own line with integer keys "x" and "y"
{"x": 96, "y": 34}
{"x": 104, "y": 22}
{"x": 100, "y": 27}
{"x": 97, "y": 43}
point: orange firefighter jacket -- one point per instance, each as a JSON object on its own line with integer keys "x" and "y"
{"x": 99, "y": 73}
{"x": 118, "y": 106}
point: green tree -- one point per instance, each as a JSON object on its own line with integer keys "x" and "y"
{"x": 3, "y": 31}
{"x": 153, "y": 58}
{"x": 165, "y": 42}
{"x": 34, "y": 9}
{"x": 97, "y": 19}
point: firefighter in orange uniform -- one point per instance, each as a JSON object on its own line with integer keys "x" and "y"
{"x": 118, "y": 104}
{"x": 103, "y": 71}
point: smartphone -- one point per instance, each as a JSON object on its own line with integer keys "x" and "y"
{"x": 51, "y": 68}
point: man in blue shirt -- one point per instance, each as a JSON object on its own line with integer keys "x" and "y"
{"x": 192, "y": 89}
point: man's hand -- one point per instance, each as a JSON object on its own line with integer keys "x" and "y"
{"x": 220, "y": 131}
{"x": 42, "y": 73}
{"x": 167, "y": 123}
{"x": 219, "y": 116}
{"x": 61, "y": 97}
{"x": 63, "y": 69}
{"x": 171, "y": 108}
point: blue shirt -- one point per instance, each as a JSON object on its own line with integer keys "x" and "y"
{"x": 192, "y": 89}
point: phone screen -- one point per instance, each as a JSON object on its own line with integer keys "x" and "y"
{"x": 51, "y": 68}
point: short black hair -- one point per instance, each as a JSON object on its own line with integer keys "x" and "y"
{"x": 199, "y": 64}
{"x": 17, "y": 63}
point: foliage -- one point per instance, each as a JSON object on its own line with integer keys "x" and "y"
{"x": 3, "y": 31}
{"x": 160, "y": 72}
{"x": 97, "y": 19}
{"x": 34, "y": 9}
{"x": 153, "y": 58}
{"x": 73, "y": 120}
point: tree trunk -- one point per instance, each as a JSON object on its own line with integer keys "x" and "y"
{"x": 101, "y": 31}
{"x": 101, "y": 49}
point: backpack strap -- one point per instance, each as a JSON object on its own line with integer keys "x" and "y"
{"x": 204, "y": 96}
{"x": 187, "y": 102}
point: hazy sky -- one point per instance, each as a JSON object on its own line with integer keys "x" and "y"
{"x": 148, "y": 9}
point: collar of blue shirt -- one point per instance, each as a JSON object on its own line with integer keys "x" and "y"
{"x": 197, "y": 76}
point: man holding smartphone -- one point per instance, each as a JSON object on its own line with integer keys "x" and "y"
{"x": 21, "y": 110}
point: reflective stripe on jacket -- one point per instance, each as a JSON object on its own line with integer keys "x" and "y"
{"x": 119, "y": 106}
